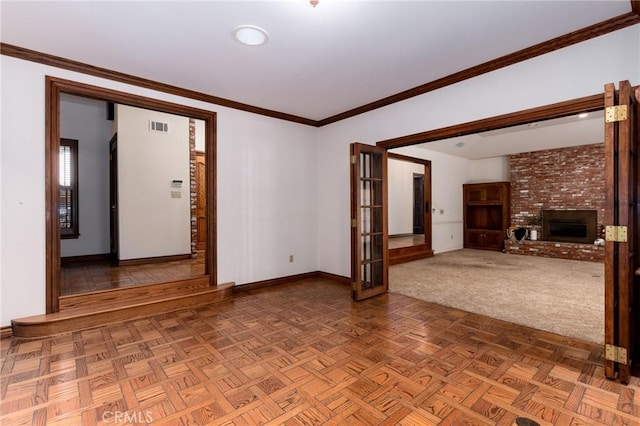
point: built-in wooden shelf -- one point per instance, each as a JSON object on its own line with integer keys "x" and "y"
{"x": 92, "y": 310}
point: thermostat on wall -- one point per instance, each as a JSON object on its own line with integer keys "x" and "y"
{"x": 176, "y": 183}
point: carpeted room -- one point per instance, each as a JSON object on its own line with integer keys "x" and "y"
{"x": 556, "y": 286}
{"x": 557, "y": 295}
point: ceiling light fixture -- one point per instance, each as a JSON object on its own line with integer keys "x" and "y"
{"x": 250, "y": 35}
{"x": 314, "y": 3}
{"x": 583, "y": 115}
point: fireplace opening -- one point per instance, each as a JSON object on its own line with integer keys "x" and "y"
{"x": 569, "y": 226}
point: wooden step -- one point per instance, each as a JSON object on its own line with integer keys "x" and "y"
{"x": 127, "y": 294}
{"x": 157, "y": 300}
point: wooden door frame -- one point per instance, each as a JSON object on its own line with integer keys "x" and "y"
{"x": 53, "y": 88}
{"x": 420, "y": 251}
{"x": 531, "y": 115}
{"x": 546, "y": 112}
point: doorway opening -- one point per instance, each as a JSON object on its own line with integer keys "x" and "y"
{"x": 54, "y": 89}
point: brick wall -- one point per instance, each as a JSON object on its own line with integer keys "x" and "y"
{"x": 573, "y": 251}
{"x": 192, "y": 186}
{"x": 557, "y": 179}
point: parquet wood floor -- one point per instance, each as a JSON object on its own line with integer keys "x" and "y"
{"x": 76, "y": 278}
{"x": 303, "y": 353}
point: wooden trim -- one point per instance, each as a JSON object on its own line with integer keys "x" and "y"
{"x": 53, "y": 87}
{"x": 420, "y": 251}
{"x": 575, "y": 37}
{"x": 72, "y": 260}
{"x": 557, "y": 110}
{"x": 333, "y": 277}
{"x": 6, "y": 332}
{"x": 52, "y": 228}
{"x": 82, "y": 318}
{"x": 68, "y": 64}
{"x": 274, "y": 282}
{"x": 610, "y": 218}
{"x": 409, "y": 254}
{"x": 211, "y": 206}
{"x": 289, "y": 279}
{"x": 133, "y": 293}
{"x": 156, "y": 259}
{"x": 401, "y": 157}
{"x": 635, "y": 7}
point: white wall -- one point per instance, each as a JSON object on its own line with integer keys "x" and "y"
{"x": 569, "y": 73}
{"x": 283, "y": 188}
{"x": 266, "y": 180}
{"x": 86, "y": 121}
{"x": 400, "y": 175}
{"x": 495, "y": 169}
{"x": 152, "y": 223}
{"x": 200, "y": 137}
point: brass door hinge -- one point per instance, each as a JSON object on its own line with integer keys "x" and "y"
{"x": 615, "y": 354}
{"x": 354, "y": 223}
{"x": 354, "y": 160}
{"x": 615, "y": 113}
{"x": 354, "y": 286}
{"x": 616, "y": 233}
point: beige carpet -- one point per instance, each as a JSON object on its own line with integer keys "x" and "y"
{"x": 561, "y": 296}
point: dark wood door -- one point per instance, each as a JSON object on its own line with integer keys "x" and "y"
{"x": 369, "y": 228}
{"x": 201, "y": 202}
{"x": 113, "y": 200}
{"x": 418, "y": 203}
{"x": 621, "y": 234}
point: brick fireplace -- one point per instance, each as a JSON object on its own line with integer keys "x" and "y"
{"x": 558, "y": 180}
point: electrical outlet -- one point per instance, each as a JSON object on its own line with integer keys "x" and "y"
{"x": 290, "y": 258}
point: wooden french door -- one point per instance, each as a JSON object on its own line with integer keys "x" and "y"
{"x": 369, "y": 233}
{"x": 114, "y": 232}
{"x": 622, "y": 281}
{"x": 418, "y": 203}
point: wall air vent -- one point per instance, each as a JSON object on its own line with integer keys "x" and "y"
{"x": 158, "y": 126}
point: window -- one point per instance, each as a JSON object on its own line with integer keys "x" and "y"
{"x": 68, "y": 204}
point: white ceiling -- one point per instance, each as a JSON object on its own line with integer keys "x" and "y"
{"x": 549, "y": 134}
{"x": 318, "y": 62}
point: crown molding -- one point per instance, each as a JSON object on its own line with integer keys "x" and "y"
{"x": 548, "y": 46}
{"x": 68, "y": 64}
{"x": 575, "y": 37}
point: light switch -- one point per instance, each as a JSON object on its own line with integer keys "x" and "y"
{"x": 176, "y": 194}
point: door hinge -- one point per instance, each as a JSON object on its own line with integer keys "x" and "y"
{"x": 615, "y": 113}
{"x": 354, "y": 223}
{"x": 615, "y": 354}
{"x": 354, "y": 286}
{"x": 616, "y": 233}
{"x": 353, "y": 159}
